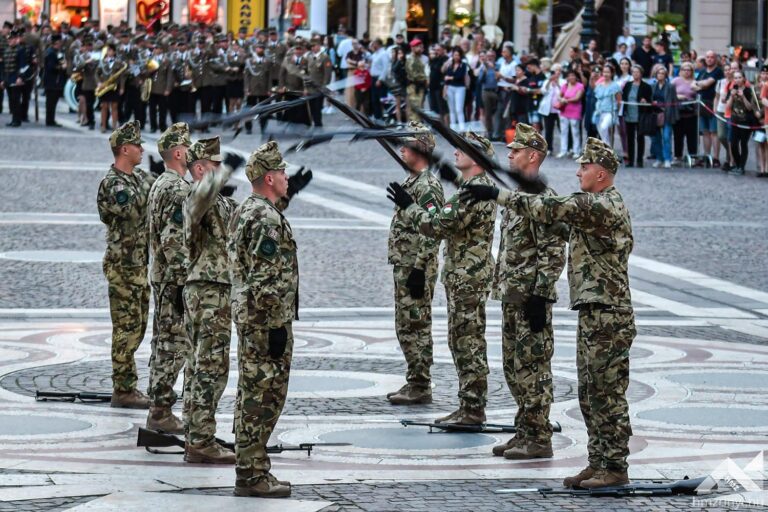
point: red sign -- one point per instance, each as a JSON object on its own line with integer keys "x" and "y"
{"x": 149, "y": 12}
{"x": 203, "y": 11}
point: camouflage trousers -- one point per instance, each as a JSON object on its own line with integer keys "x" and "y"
{"x": 528, "y": 371}
{"x": 413, "y": 325}
{"x": 129, "y": 310}
{"x": 604, "y": 338}
{"x": 170, "y": 348}
{"x": 209, "y": 328}
{"x": 466, "y": 339}
{"x": 414, "y": 98}
{"x": 261, "y": 390}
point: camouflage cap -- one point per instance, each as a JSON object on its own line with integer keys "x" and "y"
{"x": 425, "y": 138}
{"x": 598, "y": 152}
{"x": 128, "y": 133}
{"x": 205, "y": 149}
{"x": 266, "y": 158}
{"x": 481, "y": 142}
{"x": 526, "y": 136}
{"x": 176, "y": 135}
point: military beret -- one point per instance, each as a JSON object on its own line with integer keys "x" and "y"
{"x": 425, "y": 140}
{"x": 481, "y": 142}
{"x": 266, "y": 158}
{"x": 415, "y": 42}
{"x": 128, "y": 133}
{"x": 526, "y": 136}
{"x": 176, "y": 135}
{"x": 598, "y": 152}
{"x": 205, "y": 149}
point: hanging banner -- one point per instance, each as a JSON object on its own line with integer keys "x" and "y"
{"x": 203, "y": 11}
{"x": 153, "y": 13}
{"x": 112, "y": 12}
{"x": 245, "y": 13}
{"x": 29, "y": 9}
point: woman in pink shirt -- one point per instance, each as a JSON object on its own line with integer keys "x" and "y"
{"x": 570, "y": 113}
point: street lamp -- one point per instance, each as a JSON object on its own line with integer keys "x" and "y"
{"x": 588, "y": 24}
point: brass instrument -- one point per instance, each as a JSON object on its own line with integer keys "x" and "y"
{"x": 146, "y": 86}
{"x": 110, "y": 84}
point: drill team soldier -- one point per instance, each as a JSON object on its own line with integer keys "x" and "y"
{"x": 207, "y": 298}
{"x": 170, "y": 347}
{"x": 531, "y": 260}
{"x": 414, "y": 260}
{"x": 599, "y": 243}
{"x": 122, "y": 206}
{"x": 468, "y": 231}
{"x": 265, "y": 280}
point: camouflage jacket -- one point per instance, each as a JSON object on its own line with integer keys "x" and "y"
{"x": 599, "y": 241}
{"x": 407, "y": 247}
{"x": 264, "y": 265}
{"x": 531, "y": 259}
{"x": 206, "y": 217}
{"x": 166, "y": 234}
{"x": 415, "y": 70}
{"x": 468, "y": 231}
{"x": 122, "y": 205}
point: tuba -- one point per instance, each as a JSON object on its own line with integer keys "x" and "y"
{"x": 110, "y": 84}
{"x": 146, "y": 86}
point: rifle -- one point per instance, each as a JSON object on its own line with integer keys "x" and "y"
{"x": 686, "y": 486}
{"x": 264, "y": 108}
{"x": 484, "y": 428}
{"x": 151, "y": 439}
{"x": 483, "y": 160}
{"x": 358, "y": 134}
{"x": 71, "y": 396}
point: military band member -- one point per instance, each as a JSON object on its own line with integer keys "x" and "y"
{"x": 234, "y": 89}
{"x": 467, "y": 229}
{"x": 122, "y": 205}
{"x": 292, "y": 83}
{"x": 86, "y": 65}
{"x": 110, "y": 70}
{"x": 54, "y": 78}
{"x": 207, "y": 299}
{"x": 414, "y": 259}
{"x": 170, "y": 347}
{"x": 257, "y": 81}
{"x": 276, "y": 53}
{"x": 320, "y": 69}
{"x": 14, "y": 59}
{"x": 214, "y": 77}
{"x": 162, "y": 85}
{"x": 531, "y": 259}
{"x": 600, "y": 240}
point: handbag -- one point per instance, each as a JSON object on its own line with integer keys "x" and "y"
{"x": 660, "y": 119}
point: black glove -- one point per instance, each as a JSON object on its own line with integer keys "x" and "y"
{"x": 179, "y": 300}
{"x": 397, "y": 194}
{"x": 156, "y": 168}
{"x": 298, "y": 181}
{"x": 228, "y": 190}
{"x": 234, "y": 161}
{"x": 475, "y": 193}
{"x": 536, "y": 313}
{"x": 415, "y": 283}
{"x": 448, "y": 172}
{"x": 278, "y": 339}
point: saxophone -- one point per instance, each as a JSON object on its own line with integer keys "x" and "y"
{"x": 110, "y": 84}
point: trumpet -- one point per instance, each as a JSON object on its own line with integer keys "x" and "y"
{"x": 110, "y": 84}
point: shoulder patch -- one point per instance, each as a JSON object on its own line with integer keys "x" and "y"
{"x": 121, "y": 197}
{"x": 267, "y": 247}
{"x": 447, "y": 208}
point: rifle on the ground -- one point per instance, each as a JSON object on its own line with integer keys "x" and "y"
{"x": 483, "y": 428}
{"x": 152, "y": 439}
{"x": 687, "y": 486}
{"x": 71, "y": 396}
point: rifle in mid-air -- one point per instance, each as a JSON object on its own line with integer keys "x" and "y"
{"x": 686, "y": 486}
{"x": 152, "y": 439}
{"x": 482, "y": 428}
{"x": 71, "y": 396}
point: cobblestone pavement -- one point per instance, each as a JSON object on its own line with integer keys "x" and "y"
{"x": 699, "y": 363}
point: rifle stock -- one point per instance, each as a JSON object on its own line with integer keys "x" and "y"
{"x": 71, "y": 396}
{"x": 686, "y": 486}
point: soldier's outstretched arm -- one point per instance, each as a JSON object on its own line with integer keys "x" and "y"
{"x": 582, "y": 210}
{"x": 203, "y": 194}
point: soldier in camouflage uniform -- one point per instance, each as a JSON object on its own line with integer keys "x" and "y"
{"x": 600, "y": 239}
{"x": 122, "y": 205}
{"x": 167, "y": 275}
{"x": 531, "y": 260}
{"x": 414, "y": 259}
{"x": 265, "y": 280}
{"x": 416, "y": 72}
{"x": 208, "y": 316}
{"x": 468, "y": 231}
